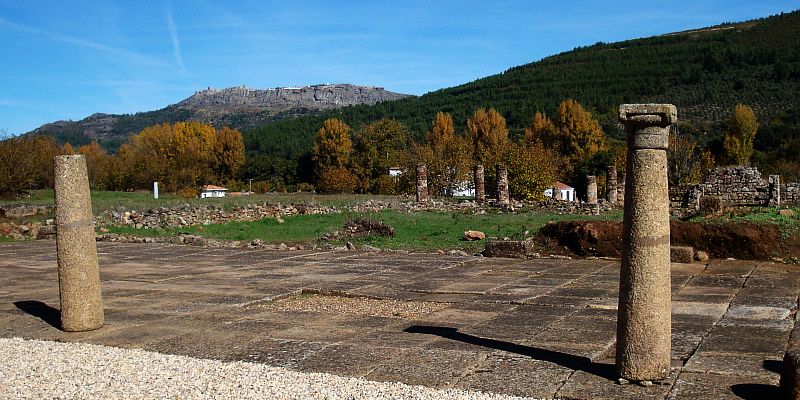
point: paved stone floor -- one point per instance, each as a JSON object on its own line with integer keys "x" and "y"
{"x": 540, "y": 328}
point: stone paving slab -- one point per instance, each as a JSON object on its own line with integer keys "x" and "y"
{"x": 539, "y": 328}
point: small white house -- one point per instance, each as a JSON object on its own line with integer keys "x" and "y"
{"x": 395, "y": 172}
{"x": 464, "y": 189}
{"x": 562, "y": 192}
{"x": 212, "y": 191}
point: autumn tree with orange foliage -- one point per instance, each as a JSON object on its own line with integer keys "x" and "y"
{"x": 26, "y": 163}
{"x": 446, "y": 155}
{"x": 542, "y": 130}
{"x": 97, "y": 164}
{"x": 489, "y": 136}
{"x": 178, "y": 156}
{"x": 331, "y": 157}
{"x": 580, "y": 136}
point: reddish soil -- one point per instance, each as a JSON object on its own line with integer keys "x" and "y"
{"x": 743, "y": 241}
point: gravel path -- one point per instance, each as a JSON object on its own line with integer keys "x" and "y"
{"x": 33, "y": 369}
{"x": 341, "y": 305}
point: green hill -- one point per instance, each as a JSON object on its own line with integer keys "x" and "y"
{"x": 704, "y": 72}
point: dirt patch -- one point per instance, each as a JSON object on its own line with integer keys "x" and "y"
{"x": 742, "y": 240}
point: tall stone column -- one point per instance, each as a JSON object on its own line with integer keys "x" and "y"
{"x": 644, "y": 313}
{"x": 422, "y": 183}
{"x": 502, "y": 185}
{"x": 591, "y": 189}
{"x": 611, "y": 184}
{"x": 480, "y": 184}
{"x": 78, "y": 271}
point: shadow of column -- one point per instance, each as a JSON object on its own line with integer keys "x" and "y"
{"x": 563, "y": 359}
{"x": 42, "y": 311}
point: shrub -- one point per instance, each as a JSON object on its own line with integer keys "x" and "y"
{"x": 337, "y": 180}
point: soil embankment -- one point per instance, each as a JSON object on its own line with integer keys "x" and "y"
{"x": 741, "y": 240}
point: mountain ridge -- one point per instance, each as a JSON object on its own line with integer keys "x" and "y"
{"x": 239, "y": 107}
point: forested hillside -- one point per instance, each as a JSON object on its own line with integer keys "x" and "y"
{"x": 704, "y": 72}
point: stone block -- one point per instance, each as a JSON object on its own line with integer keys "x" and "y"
{"x": 711, "y": 204}
{"x": 681, "y": 254}
{"x": 507, "y": 248}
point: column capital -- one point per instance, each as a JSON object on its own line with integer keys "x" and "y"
{"x": 647, "y": 125}
{"x": 648, "y": 114}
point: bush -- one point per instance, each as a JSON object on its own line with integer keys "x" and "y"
{"x": 189, "y": 193}
{"x": 305, "y": 187}
{"x": 261, "y": 187}
{"x": 337, "y": 180}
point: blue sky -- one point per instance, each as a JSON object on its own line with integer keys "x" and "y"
{"x": 68, "y": 59}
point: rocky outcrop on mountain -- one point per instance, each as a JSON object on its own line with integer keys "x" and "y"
{"x": 319, "y": 97}
{"x": 237, "y": 107}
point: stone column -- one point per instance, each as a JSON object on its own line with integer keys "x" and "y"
{"x": 774, "y": 190}
{"x": 621, "y": 188}
{"x": 502, "y": 185}
{"x": 78, "y": 271}
{"x": 480, "y": 185}
{"x": 422, "y": 183}
{"x": 790, "y": 375}
{"x": 644, "y": 313}
{"x": 591, "y": 189}
{"x": 611, "y": 184}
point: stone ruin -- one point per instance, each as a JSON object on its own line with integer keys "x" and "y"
{"x": 734, "y": 186}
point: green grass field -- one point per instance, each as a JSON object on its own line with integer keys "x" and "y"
{"x": 415, "y": 231}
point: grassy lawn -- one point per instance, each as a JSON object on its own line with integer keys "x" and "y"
{"x": 415, "y": 231}
{"x": 787, "y": 225}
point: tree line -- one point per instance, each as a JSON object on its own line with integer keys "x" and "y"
{"x": 180, "y": 156}
{"x": 572, "y": 144}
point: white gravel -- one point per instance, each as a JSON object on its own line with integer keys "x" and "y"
{"x": 33, "y": 369}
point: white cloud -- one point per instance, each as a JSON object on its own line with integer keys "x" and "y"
{"x": 176, "y": 43}
{"x": 76, "y": 41}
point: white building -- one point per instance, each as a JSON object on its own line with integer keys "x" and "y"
{"x": 563, "y": 192}
{"x": 212, "y": 191}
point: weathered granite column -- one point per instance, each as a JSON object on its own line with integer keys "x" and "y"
{"x": 480, "y": 185}
{"x": 611, "y": 184}
{"x": 422, "y": 183}
{"x": 644, "y": 313}
{"x": 78, "y": 271}
{"x": 790, "y": 375}
{"x": 775, "y": 190}
{"x": 591, "y": 189}
{"x": 502, "y": 185}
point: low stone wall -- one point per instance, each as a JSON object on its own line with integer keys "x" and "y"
{"x": 24, "y": 210}
{"x": 790, "y": 193}
{"x": 186, "y": 215}
{"x": 737, "y": 186}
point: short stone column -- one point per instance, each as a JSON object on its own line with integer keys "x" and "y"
{"x": 591, "y": 189}
{"x": 621, "y": 188}
{"x": 502, "y": 185}
{"x": 422, "y": 183}
{"x": 480, "y": 184}
{"x": 78, "y": 270}
{"x": 774, "y": 190}
{"x": 644, "y": 313}
{"x": 611, "y": 184}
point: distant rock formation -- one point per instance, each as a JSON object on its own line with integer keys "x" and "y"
{"x": 238, "y": 107}
{"x": 319, "y": 97}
